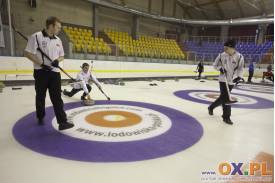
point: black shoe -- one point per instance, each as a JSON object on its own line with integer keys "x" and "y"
{"x": 65, "y": 92}
{"x": 82, "y": 97}
{"x": 40, "y": 121}
{"x": 210, "y": 111}
{"x": 64, "y": 126}
{"x": 228, "y": 121}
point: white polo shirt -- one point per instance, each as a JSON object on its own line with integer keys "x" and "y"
{"x": 51, "y": 46}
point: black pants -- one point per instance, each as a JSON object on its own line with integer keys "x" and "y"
{"x": 74, "y": 91}
{"x": 199, "y": 76}
{"x": 49, "y": 80}
{"x": 250, "y": 76}
{"x": 222, "y": 99}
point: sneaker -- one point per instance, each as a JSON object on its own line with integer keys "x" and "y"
{"x": 227, "y": 121}
{"x": 40, "y": 121}
{"x": 210, "y": 111}
{"x": 82, "y": 97}
{"x": 64, "y": 126}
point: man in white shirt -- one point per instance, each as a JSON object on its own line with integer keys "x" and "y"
{"x": 46, "y": 72}
{"x": 230, "y": 63}
{"x": 83, "y": 78}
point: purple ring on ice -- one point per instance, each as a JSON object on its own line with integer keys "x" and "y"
{"x": 184, "y": 132}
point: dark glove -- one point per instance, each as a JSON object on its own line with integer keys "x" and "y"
{"x": 222, "y": 70}
{"x": 45, "y": 67}
{"x": 55, "y": 63}
{"x": 236, "y": 80}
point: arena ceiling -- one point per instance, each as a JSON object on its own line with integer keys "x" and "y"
{"x": 225, "y": 9}
{"x": 214, "y": 9}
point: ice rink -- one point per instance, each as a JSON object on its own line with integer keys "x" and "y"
{"x": 155, "y": 134}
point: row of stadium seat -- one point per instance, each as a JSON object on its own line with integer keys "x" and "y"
{"x": 83, "y": 41}
{"x": 145, "y": 46}
{"x": 209, "y": 50}
{"x": 216, "y": 48}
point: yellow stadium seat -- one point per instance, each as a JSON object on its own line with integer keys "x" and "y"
{"x": 83, "y": 46}
{"x": 79, "y": 41}
{"x": 78, "y": 47}
{"x": 89, "y": 48}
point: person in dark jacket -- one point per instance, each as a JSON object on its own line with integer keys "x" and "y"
{"x": 200, "y": 69}
{"x": 250, "y": 71}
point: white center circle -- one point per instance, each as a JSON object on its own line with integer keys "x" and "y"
{"x": 205, "y": 96}
{"x": 256, "y": 88}
{"x": 114, "y": 118}
{"x": 152, "y": 124}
